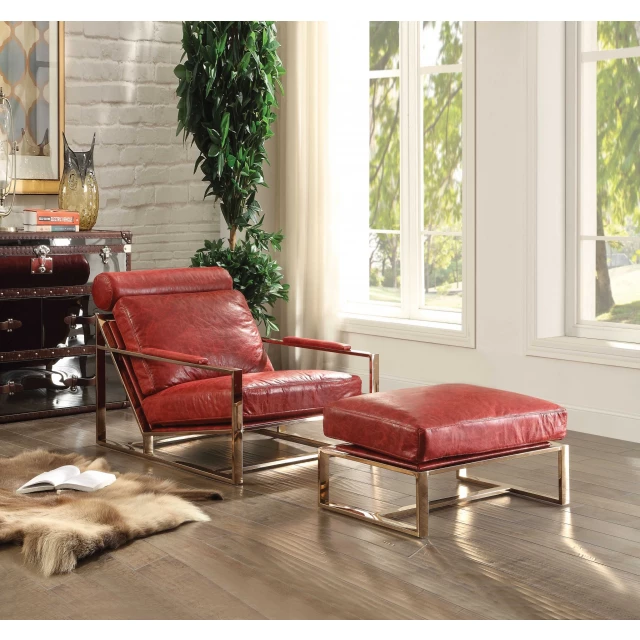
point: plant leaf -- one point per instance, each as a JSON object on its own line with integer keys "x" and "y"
{"x": 224, "y": 127}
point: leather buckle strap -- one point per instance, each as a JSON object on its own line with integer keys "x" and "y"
{"x": 74, "y": 382}
{"x": 11, "y": 388}
{"x": 9, "y": 325}
{"x": 30, "y": 383}
{"x": 73, "y": 320}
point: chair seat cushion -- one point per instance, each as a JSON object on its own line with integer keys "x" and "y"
{"x": 442, "y": 421}
{"x": 268, "y": 395}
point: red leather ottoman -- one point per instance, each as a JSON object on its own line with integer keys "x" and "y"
{"x": 449, "y": 427}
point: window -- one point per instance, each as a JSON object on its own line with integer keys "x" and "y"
{"x": 603, "y": 226}
{"x": 412, "y": 258}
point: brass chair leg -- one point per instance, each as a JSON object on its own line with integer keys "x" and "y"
{"x": 101, "y": 389}
{"x": 237, "y": 463}
{"x": 323, "y": 477}
{"x": 422, "y": 504}
{"x": 147, "y": 443}
{"x": 563, "y": 475}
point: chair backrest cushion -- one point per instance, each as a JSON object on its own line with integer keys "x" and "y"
{"x": 216, "y": 325}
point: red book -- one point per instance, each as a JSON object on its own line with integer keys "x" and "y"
{"x": 50, "y": 217}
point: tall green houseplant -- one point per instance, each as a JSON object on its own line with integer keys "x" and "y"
{"x": 227, "y": 100}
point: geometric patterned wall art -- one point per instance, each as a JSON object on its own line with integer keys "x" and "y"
{"x": 32, "y": 77}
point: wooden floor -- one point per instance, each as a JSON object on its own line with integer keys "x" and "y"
{"x": 268, "y": 551}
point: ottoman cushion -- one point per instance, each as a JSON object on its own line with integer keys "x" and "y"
{"x": 428, "y": 423}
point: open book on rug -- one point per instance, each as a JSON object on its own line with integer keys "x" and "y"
{"x": 68, "y": 477}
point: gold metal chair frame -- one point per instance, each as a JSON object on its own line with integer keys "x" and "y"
{"x": 422, "y": 506}
{"x": 150, "y": 440}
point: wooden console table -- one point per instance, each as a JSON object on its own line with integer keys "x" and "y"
{"x": 47, "y": 335}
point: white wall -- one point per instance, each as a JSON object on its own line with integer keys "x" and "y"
{"x": 601, "y": 399}
{"x": 120, "y": 84}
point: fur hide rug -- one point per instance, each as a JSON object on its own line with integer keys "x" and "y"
{"x": 56, "y": 529}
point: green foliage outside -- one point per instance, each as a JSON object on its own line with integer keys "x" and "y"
{"x": 384, "y": 165}
{"x": 227, "y": 100}
{"x": 618, "y": 167}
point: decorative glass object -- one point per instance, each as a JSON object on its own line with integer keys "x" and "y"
{"x": 79, "y": 186}
{"x": 7, "y": 160}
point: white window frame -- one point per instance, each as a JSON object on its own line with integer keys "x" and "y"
{"x": 551, "y": 199}
{"x": 410, "y": 320}
{"x": 577, "y": 262}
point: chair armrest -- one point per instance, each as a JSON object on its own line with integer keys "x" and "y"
{"x": 319, "y": 345}
{"x": 236, "y": 373}
{"x": 335, "y": 347}
{"x": 174, "y": 355}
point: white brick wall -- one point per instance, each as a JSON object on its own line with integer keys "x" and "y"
{"x": 120, "y": 85}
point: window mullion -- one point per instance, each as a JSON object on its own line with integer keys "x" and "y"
{"x": 405, "y": 284}
{"x": 411, "y": 209}
{"x": 417, "y": 214}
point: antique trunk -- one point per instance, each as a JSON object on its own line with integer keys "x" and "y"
{"x": 47, "y": 333}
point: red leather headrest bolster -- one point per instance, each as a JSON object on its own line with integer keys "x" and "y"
{"x": 108, "y": 288}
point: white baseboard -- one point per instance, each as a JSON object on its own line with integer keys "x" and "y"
{"x": 597, "y": 422}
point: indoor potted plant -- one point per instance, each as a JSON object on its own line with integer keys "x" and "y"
{"x": 227, "y": 83}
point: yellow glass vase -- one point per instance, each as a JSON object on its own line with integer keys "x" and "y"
{"x": 79, "y": 186}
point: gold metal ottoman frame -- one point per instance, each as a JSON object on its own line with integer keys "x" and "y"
{"x": 151, "y": 440}
{"x": 421, "y": 509}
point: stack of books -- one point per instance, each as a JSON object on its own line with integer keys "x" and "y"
{"x": 50, "y": 220}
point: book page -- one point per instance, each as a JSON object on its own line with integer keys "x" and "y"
{"x": 54, "y": 477}
{"x": 88, "y": 481}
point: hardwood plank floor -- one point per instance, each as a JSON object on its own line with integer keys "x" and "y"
{"x": 269, "y": 552}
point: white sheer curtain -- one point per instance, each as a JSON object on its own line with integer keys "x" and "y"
{"x": 314, "y": 174}
{"x": 302, "y": 194}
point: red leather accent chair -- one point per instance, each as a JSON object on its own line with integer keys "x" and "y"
{"x": 193, "y": 363}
